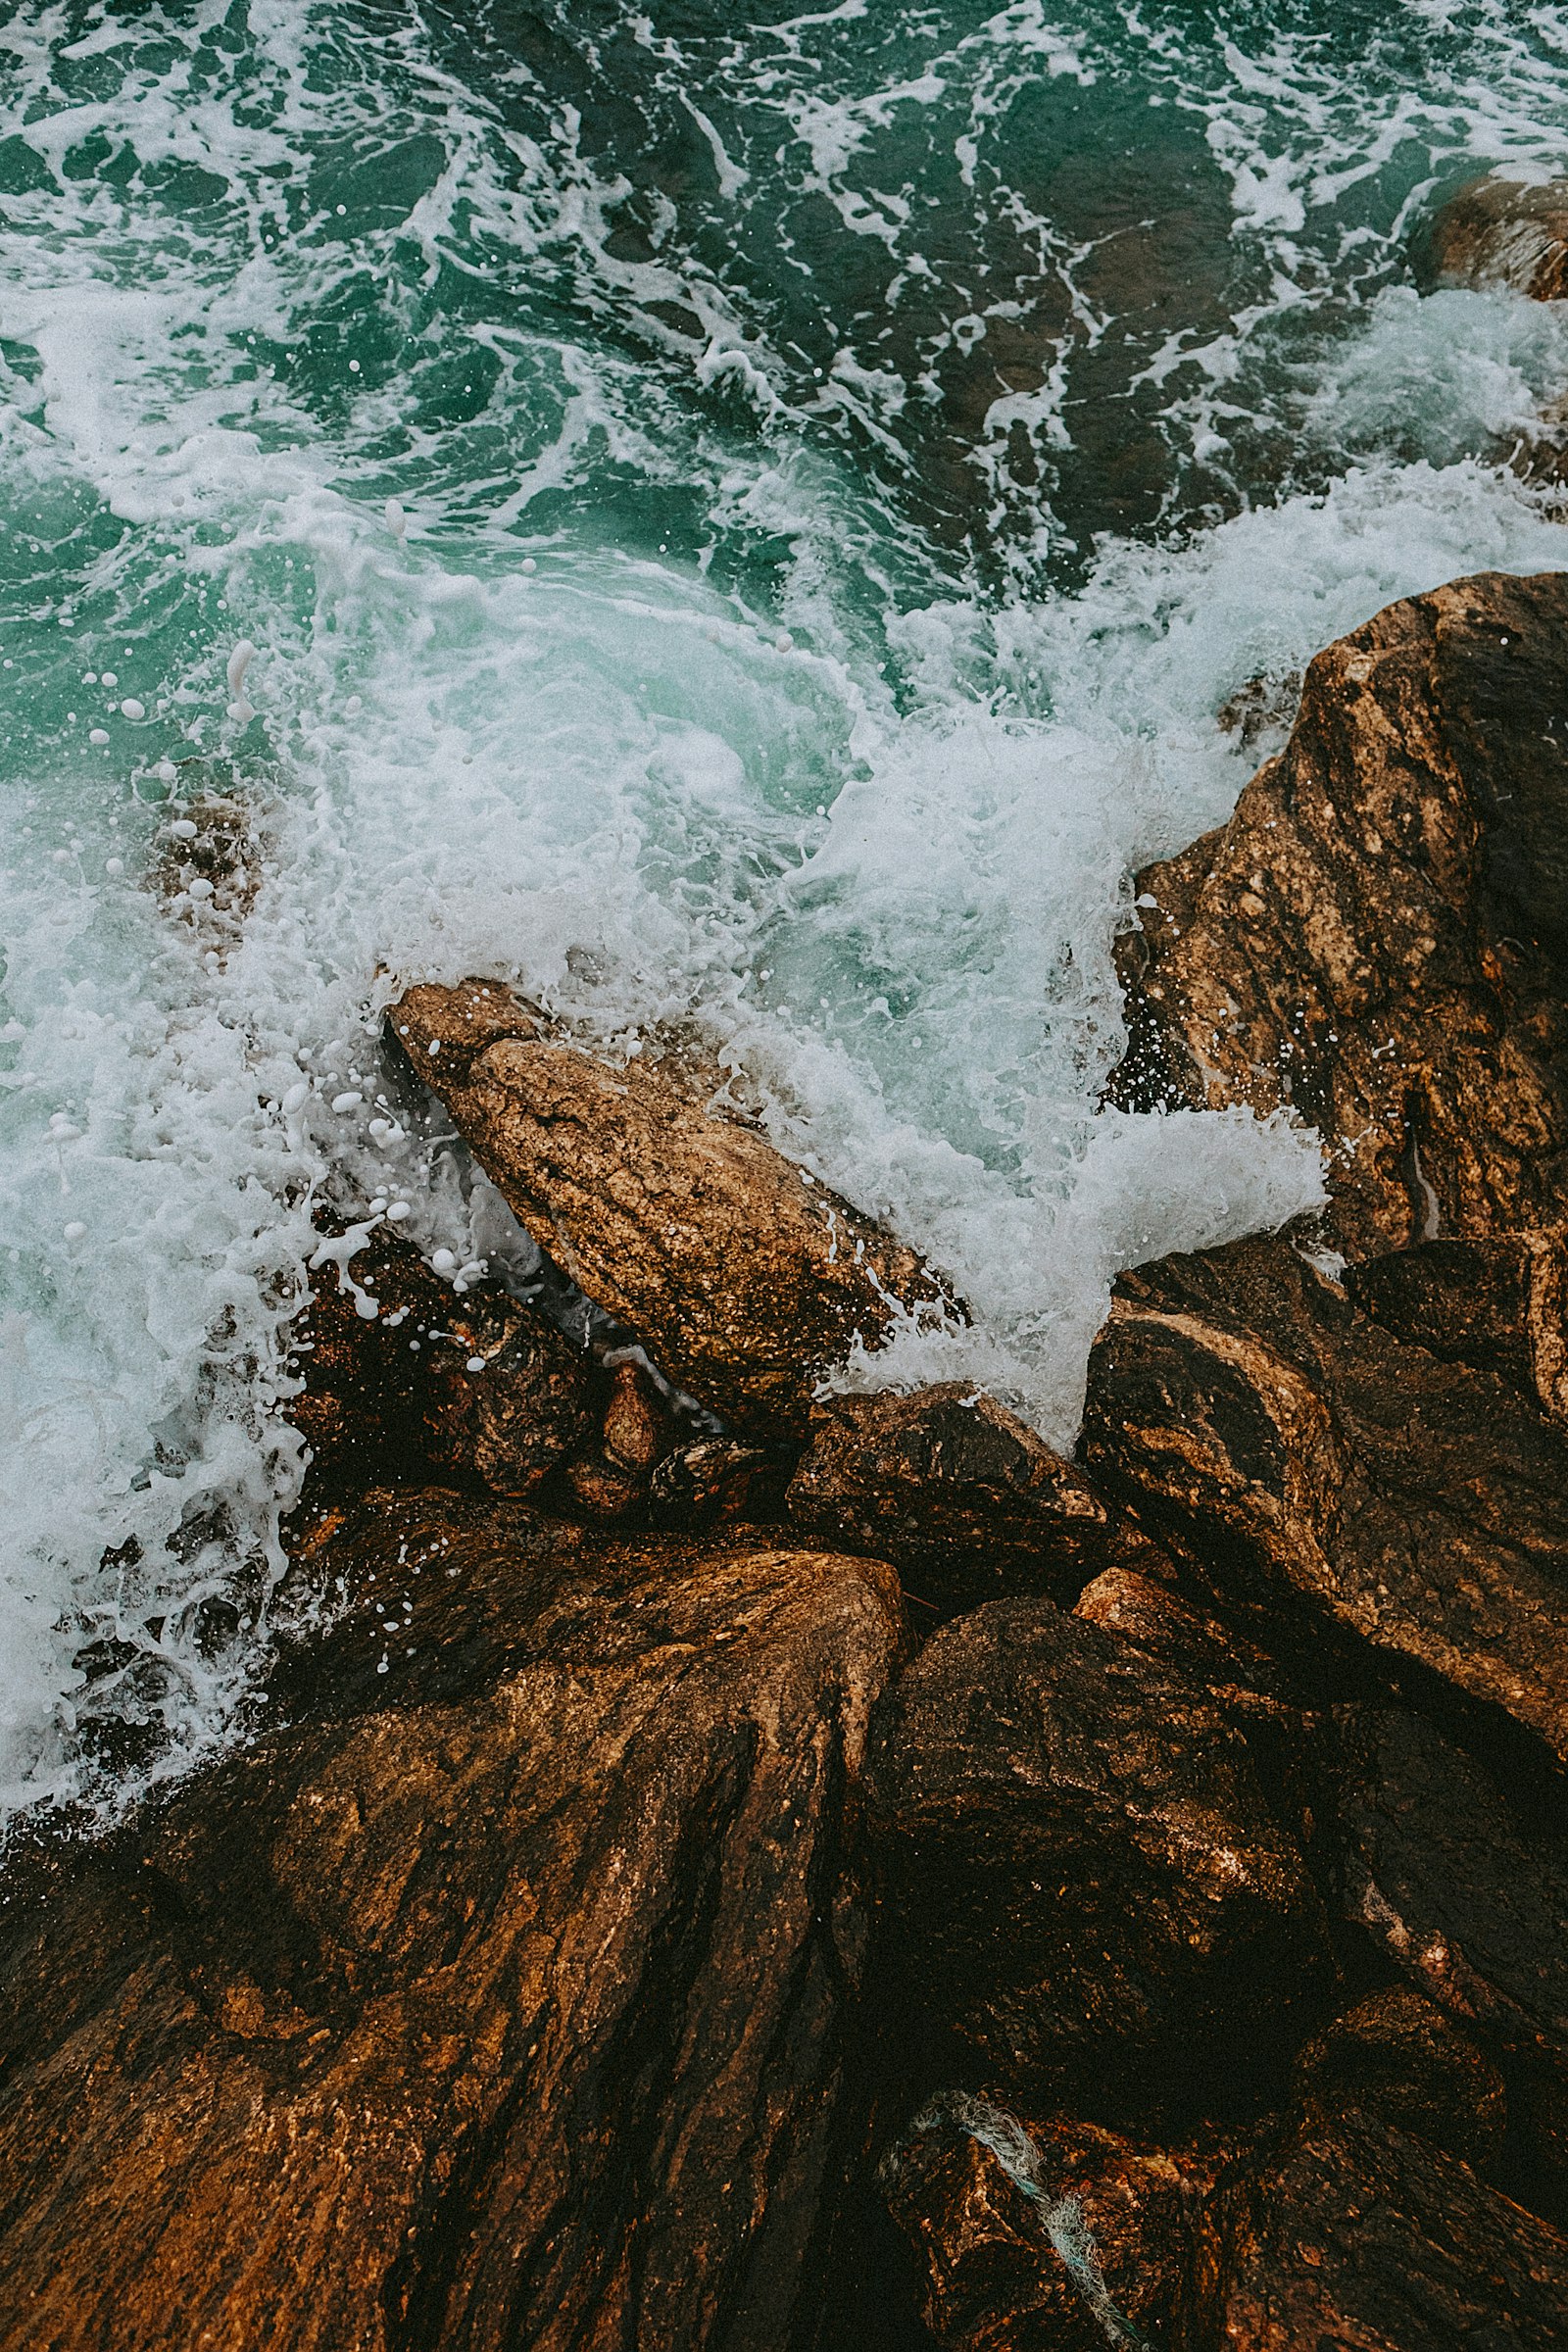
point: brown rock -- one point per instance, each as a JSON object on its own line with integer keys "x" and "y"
{"x": 1502, "y": 232}
{"x": 1499, "y": 1303}
{"x": 745, "y": 1278}
{"x": 1358, "y": 2234}
{"x": 639, "y": 1429}
{"x": 1326, "y": 1477}
{"x": 1166, "y": 1627}
{"x": 1087, "y": 1894}
{"x": 385, "y": 1352}
{"x": 959, "y": 1493}
{"x": 719, "y": 1481}
{"x": 1465, "y": 1893}
{"x": 1053, "y": 2236}
{"x": 1379, "y": 937}
{"x": 495, "y": 1996}
{"x": 1396, "y": 2056}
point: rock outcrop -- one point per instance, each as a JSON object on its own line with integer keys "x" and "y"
{"x": 1503, "y": 232}
{"x": 1088, "y": 1898}
{"x": 1379, "y": 937}
{"x": 969, "y": 1504}
{"x": 745, "y": 1278}
{"x": 494, "y": 1996}
{"x": 1328, "y": 1478}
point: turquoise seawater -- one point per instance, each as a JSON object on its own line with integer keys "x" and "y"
{"x": 747, "y": 524}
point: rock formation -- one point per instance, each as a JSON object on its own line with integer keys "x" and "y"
{"x": 959, "y": 1493}
{"x": 1325, "y": 1477}
{"x": 1379, "y": 937}
{"x": 1089, "y": 1898}
{"x": 745, "y": 1278}
{"x": 495, "y": 1996}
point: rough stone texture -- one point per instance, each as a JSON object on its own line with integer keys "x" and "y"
{"x": 1502, "y": 232}
{"x": 1499, "y": 1303}
{"x": 1087, "y": 1894}
{"x": 495, "y": 1999}
{"x": 1322, "y": 1474}
{"x": 719, "y": 1481}
{"x": 959, "y": 1493}
{"x": 1165, "y": 1627}
{"x": 1469, "y": 1901}
{"x": 1396, "y": 2056}
{"x": 388, "y": 1391}
{"x": 638, "y": 1428}
{"x": 1361, "y": 2235}
{"x": 1379, "y": 937}
{"x": 745, "y": 1280}
{"x": 991, "y": 2279}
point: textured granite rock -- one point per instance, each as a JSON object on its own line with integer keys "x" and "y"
{"x": 744, "y": 1278}
{"x": 494, "y": 1996}
{"x": 1379, "y": 936}
{"x": 969, "y": 1504}
{"x": 1328, "y": 1478}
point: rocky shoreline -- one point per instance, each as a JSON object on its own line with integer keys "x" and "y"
{"x": 746, "y": 1868}
{"x": 758, "y": 1869}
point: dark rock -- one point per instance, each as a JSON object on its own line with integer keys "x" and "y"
{"x": 1087, "y": 1895}
{"x": 1327, "y": 1477}
{"x": 720, "y": 1481}
{"x": 494, "y": 1996}
{"x": 1395, "y": 2055}
{"x": 1467, "y": 1895}
{"x": 1150, "y": 1617}
{"x": 1499, "y": 1303}
{"x": 1359, "y": 2234}
{"x": 745, "y": 1278}
{"x": 1055, "y": 2236}
{"x": 959, "y": 1493}
{"x": 638, "y": 1430}
{"x": 1379, "y": 937}
{"x": 385, "y": 1352}
{"x": 1503, "y": 232}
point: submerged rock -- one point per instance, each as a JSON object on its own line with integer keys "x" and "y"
{"x": 960, "y": 1495}
{"x": 1087, "y": 1894}
{"x": 495, "y": 1996}
{"x": 1503, "y": 232}
{"x": 1325, "y": 1476}
{"x": 745, "y": 1278}
{"x": 1379, "y": 937}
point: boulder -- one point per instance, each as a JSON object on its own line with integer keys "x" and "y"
{"x": 717, "y": 1482}
{"x": 745, "y": 1278}
{"x": 407, "y": 1378}
{"x": 1464, "y": 1889}
{"x": 1503, "y": 232}
{"x": 1395, "y": 2055}
{"x": 1379, "y": 936}
{"x": 959, "y": 1493}
{"x": 1087, "y": 1897}
{"x": 1357, "y": 2233}
{"x": 495, "y": 1995}
{"x": 1336, "y": 1485}
{"x": 1498, "y": 1302}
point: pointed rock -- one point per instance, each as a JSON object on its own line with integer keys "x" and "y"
{"x": 746, "y": 1280}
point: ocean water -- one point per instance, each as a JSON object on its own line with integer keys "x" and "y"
{"x": 749, "y": 524}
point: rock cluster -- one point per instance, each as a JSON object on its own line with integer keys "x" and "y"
{"x": 753, "y": 1870}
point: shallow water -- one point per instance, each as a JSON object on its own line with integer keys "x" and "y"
{"x": 746, "y": 525}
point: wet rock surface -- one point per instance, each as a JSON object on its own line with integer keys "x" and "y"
{"x": 1503, "y": 232}
{"x": 969, "y": 1504}
{"x": 1379, "y": 937}
{"x": 1330, "y": 1480}
{"x": 1087, "y": 1894}
{"x": 495, "y": 1995}
{"x": 406, "y": 1377}
{"x": 747, "y": 1280}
